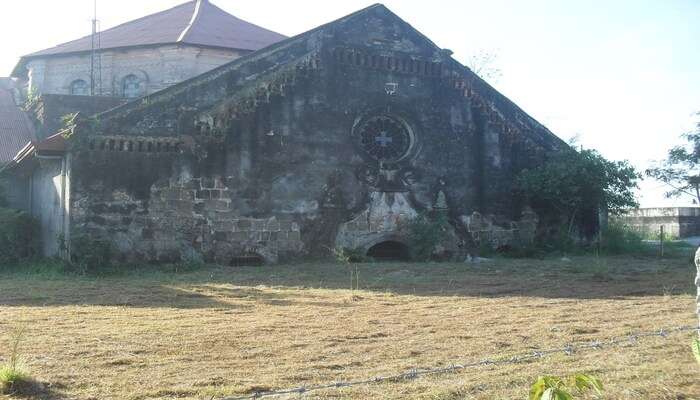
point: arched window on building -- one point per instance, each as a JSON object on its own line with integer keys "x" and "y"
{"x": 79, "y": 88}
{"x": 131, "y": 86}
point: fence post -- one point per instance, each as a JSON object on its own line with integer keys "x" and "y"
{"x": 697, "y": 283}
{"x": 661, "y": 240}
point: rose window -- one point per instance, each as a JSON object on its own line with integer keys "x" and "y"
{"x": 384, "y": 138}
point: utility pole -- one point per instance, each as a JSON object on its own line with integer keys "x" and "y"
{"x": 95, "y": 57}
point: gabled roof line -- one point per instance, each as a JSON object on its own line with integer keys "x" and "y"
{"x": 222, "y": 69}
{"x": 193, "y": 23}
{"x": 195, "y": 16}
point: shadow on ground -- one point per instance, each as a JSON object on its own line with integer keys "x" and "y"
{"x": 241, "y": 287}
{"x": 35, "y": 390}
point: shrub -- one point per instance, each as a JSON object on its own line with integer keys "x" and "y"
{"x": 90, "y": 254}
{"x": 425, "y": 233}
{"x": 347, "y": 255}
{"x": 621, "y": 239}
{"x": 18, "y": 236}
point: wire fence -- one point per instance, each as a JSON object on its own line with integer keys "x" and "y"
{"x": 569, "y": 350}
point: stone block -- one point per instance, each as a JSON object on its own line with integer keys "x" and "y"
{"x": 240, "y": 236}
{"x": 147, "y": 233}
{"x": 244, "y": 225}
{"x": 258, "y": 225}
{"x": 170, "y": 194}
{"x": 180, "y": 206}
{"x": 187, "y": 194}
{"x": 221, "y": 236}
{"x": 192, "y": 184}
{"x": 273, "y": 225}
{"x": 285, "y": 226}
{"x": 216, "y": 205}
{"x": 225, "y": 226}
{"x": 208, "y": 183}
{"x": 203, "y": 194}
{"x": 265, "y": 236}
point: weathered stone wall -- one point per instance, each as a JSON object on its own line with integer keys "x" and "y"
{"x": 288, "y": 152}
{"x": 680, "y": 222}
{"x": 48, "y": 110}
{"x": 47, "y": 206}
{"x": 157, "y": 67}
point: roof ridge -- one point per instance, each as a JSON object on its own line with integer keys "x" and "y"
{"x": 118, "y": 26}
{"x": 250, "y": 56}
{"x": 195, "y": 16}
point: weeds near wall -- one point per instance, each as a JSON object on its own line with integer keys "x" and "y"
{"x": 696, "y": 349}
{"x": 18, "y": 236}
{"x": 346, "y": 255}
{"x": 425, "y": 234}
{"x": 13, "y": 374}
{"x": 622, "y": 239}
{"x": 90, "y": 254}
{"x": 350, "y": 257}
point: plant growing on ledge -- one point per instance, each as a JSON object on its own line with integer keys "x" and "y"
{"x": 576, "y": 184}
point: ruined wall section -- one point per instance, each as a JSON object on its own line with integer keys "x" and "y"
{"x": 265, "y": 155}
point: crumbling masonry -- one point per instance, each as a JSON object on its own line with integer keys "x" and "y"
{"x": 333, "y": 138}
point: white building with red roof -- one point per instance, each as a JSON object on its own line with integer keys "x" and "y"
{"x": 145, "y": 55}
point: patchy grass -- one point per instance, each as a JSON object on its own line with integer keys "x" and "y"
{"x": 203, "y": 332}
{"x": 10, "y": 378}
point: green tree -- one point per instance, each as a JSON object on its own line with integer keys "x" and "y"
{"x": 681, "y": 168}
{"x": 573, "y": 184}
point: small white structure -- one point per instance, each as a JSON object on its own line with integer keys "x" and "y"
{"x": 697, "y": 283}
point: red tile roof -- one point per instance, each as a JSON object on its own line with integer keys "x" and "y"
{"x": 197, "y": 22}
{"x": 15, "y": 127}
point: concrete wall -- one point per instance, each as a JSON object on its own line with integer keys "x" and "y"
{"x": 16, "y": 191}
{"x": 47, "y": 206}
{"x": 678, "y": 222}
{"x": 156, "y": 67}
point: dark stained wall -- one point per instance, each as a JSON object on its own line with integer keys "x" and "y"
{"x": 288, "y": 152}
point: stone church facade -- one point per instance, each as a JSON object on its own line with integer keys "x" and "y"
{"x": 337, "y": 137}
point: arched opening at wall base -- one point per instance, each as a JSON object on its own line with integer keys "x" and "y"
{"x": 389, "y": 250}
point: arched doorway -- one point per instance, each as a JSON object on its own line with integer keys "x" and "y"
{"x": 389, "y": 250}
{"x": 247, "y": 260}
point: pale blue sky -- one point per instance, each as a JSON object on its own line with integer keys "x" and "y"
{"x": 622, "y": 75}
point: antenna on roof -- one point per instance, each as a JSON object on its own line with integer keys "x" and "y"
{"x": 95, "y": 56}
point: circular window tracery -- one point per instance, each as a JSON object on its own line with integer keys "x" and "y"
{"x": 385, "y": 138}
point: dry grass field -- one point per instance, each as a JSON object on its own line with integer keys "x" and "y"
{"x": 225, "y": 331}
